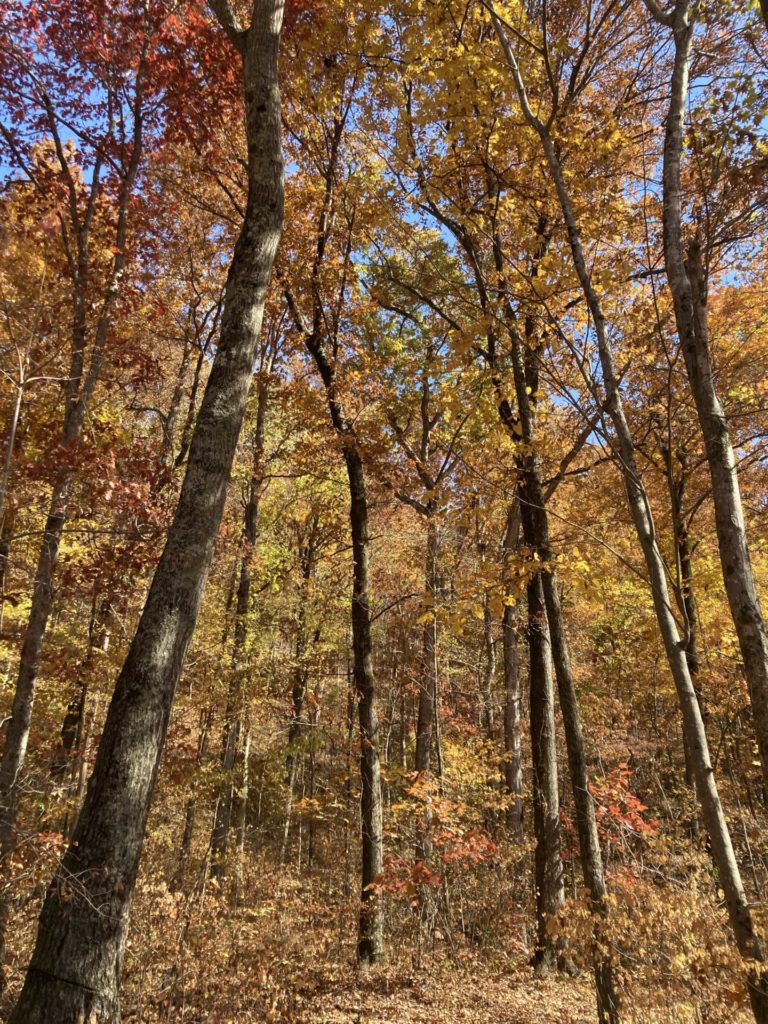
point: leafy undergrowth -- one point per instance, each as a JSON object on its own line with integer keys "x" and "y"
{"x": 284, "y": 954}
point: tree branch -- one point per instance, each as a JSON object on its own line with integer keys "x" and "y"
{"x": 229, "y": 21}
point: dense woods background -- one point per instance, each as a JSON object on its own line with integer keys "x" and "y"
{"x": 445, "y": 364}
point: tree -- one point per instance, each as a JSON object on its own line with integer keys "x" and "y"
{"x": 714, "y": 816}
{"x": 75, "y": 969}
{"x": 687, "y": 277}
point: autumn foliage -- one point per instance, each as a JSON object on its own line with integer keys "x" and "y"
{"x": 426, "y": 317}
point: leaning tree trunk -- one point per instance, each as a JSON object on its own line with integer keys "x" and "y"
{"x": 687, "y": 282}
{"x": 723, "y": 855}
{"x": 75, "y": 968}
{"x": 17, "y": 733}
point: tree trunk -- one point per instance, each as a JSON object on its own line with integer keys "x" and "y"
{"x": 686, "y": 599}
{"x": 688, "y": 284}
{"x": 231, "y": 745}
{"x": 325, "y": 353}
{"x": 548, "y": 865}
{"x": 75, "y": 968}
{"x": 513, "y": 757}
{"x": 712, "y": 811}
{"x": 489, "y": 671}
{"x": 17, "y": 734}
{"x": 535, "y": 523}
{"x": 78, "y": 389}
{"x": 11, "y": 441}
{"x": 428, "y": 685}
{"x": 370, "y": 945}
{"x": 307, "y": 557}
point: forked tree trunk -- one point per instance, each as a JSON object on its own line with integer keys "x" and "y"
{"x": 688, "y": 284}
{"x": 75, "y": 968}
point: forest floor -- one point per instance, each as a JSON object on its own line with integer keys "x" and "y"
{"x": 288, "y": 959}
{"x": 450, "y": 994}
{"x": 286, "y": 956}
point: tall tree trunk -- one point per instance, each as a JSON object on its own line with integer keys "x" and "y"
{"x": 11, "y": 439}
{"x": 425, "y": 722}
{"x": 712, "y": 811}
{"x": 513, "y": 757}
{"x": 370, "y": 945}
{"x": 428, "y": 683}
{"x": 688, "y": 284}
{"x": 307, "y": 557}
{"x": 6, "y": 537}
{"x": 231, "y": 750}
{"x": 17, "y": 733}
{"x": 177, "y": 879}
{"x": 548, "y": 864}
{"x": 535, "y": 523}
{"x": 684, "y": 592}
{"x": 75, "y": 968}
{"x": 489, "y": 671}
{"x": 242, "y": 816}
{"x": 325, "y": 351}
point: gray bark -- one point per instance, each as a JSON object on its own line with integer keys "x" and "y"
{"x": 688, "y": 284}
{"x": 548, "y": 864}
{"x": 513, "y": 754}
{"x": 75, "y": 968}
{"x": 535, "y": 523}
